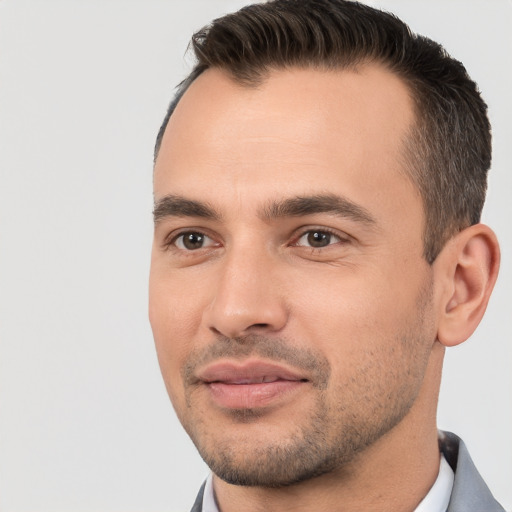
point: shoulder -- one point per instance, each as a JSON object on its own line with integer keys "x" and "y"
{"x": 470, "y": 493}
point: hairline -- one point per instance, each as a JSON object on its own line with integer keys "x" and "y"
{"x": 261, "y": 76}
{"x": 410, "y": 143}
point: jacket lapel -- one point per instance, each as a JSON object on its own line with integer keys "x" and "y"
{"x": 470, "y": 493}
{"x": 198, "y": 504}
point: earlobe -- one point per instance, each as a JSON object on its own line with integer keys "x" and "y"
{"x": 470, "y": 264}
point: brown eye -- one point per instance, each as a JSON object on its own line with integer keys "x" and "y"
{"x": 317, "y": 239}
{"x": 192, "y": 241}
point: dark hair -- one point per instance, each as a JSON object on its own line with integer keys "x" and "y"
{"x": 448, "y": 151}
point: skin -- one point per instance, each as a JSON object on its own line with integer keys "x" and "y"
{"x": 363, "y": 320}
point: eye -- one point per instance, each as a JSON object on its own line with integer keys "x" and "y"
{"x": 317, "y": 239}
{"x": 193, "y": 240}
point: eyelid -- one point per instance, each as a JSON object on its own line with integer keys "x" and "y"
{"x": 342, "y": 236}
{"x": 180, "y": 237}
{"x": 169, "y": 241}
{"x": 171, "y": 238}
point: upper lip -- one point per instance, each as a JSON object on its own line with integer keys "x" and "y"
{"x": 247, "y": 372}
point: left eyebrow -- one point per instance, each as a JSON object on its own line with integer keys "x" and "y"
{"x": 324, "y": 203}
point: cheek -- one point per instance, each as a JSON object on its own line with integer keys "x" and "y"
{"x": 343, "y": 299}
{"x": 172, "y": 315}
{"x": 174, "y": 302}
{"x": 352, "y": 311}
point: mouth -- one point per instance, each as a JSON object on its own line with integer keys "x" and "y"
{"x": 251, "y": 384}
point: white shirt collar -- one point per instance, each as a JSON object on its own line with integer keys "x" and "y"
{"x": 439, "y": 495}
{"x": 436, "y": 500}
{"x": 209, "y": 504}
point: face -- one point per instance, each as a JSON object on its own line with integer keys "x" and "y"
{"x": 289, "y": 299}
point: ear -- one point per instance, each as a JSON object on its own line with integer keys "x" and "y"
{"x": 466, "y": 270}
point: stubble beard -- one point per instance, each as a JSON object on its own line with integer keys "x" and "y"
{"x": 330, "y": 434}
{"x": 303, "y": 453}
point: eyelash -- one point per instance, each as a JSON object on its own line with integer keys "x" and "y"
{"x": 171, "y": 240}
{"x": 341, "y": 237}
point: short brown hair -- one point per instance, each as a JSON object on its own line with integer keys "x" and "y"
{"x": 448, "y": 152}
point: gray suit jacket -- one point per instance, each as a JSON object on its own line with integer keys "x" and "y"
{"x": 470, "y": 494}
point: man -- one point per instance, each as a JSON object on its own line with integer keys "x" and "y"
{"x": 318, "y": 183}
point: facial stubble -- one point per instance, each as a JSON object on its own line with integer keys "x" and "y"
{"x": 329, "y": 433}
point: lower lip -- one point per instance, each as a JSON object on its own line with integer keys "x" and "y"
{"x": 250, "y": 396}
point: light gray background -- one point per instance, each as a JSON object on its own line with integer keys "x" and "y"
{"x": 85, "y": 423}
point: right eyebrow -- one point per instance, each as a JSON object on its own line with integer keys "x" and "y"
{"x": 178, "y": 206}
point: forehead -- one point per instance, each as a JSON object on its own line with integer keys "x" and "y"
{"x": 300, "y": 131}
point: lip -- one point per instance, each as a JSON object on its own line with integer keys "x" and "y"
{"x": 250, "y": 384}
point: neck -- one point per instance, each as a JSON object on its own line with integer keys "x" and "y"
{"x": 394, "y": 474}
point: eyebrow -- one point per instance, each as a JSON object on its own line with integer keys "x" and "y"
{"x": 323, "y": 203}
{"x": 177, "y": 206}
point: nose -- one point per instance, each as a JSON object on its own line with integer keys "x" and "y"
{"x": 248, "y": 298}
